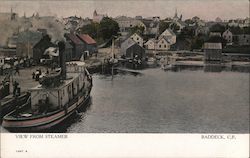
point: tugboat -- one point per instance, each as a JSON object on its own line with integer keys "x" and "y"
{"x": 59, "y": 94}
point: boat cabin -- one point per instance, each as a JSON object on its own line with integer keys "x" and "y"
{"x": 52, "y": 98}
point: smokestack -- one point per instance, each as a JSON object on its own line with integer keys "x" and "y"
{"x": 62, "y": 58}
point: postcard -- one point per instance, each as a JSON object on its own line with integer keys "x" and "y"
{"x": 124, "y": 78}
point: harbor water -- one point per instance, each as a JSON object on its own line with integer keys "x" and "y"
{"x": 157, "y": 101}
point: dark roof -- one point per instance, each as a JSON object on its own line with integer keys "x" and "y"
{"x": 128, "y": 43}
{"x": 72, "y": 37}
{"x": 182, "y": 23}
{"x": 87, "y": 39}
{"x": 29, "y": 36}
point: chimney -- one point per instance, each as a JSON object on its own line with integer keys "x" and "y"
{"x": 62, "y": 58}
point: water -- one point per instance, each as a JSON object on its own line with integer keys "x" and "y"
{"x": 157, "y": 101}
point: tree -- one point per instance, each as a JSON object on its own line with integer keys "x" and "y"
{"x": 174, "y": 27}
{"x": 187, "y": 33}
{"x": 163, "y": 26}
{"x": 137, "y": 29}
{"x": 197, "y": 42}
{"x": 217, "y": 28}
{"x": 108, "y": 28}
{"x": 189, "y": 21}
{"x": 90, "y": 29}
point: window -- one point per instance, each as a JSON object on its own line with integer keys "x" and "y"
{"x": 137, "y": 38}
{"x": 159, "y": 46}
{"x": 138, "y": 42}
{"x": 162, "y": 42}
{"x": 165, "y": 46}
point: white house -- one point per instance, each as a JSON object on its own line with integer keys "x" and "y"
{"x": 228, "y": 35}
{"x": 170, "y": 35}
{"x": 137, "y": 38}
{"x": 150, "y": 44}
{"x": 126, "y": 23}
{"x": 163, "y": 44}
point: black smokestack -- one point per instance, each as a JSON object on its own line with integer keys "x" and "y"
{"x": 61, "y": 46}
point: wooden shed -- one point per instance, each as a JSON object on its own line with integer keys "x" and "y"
{"x": 212, "y": 52}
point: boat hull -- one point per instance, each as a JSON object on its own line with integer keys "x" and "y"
{"x": 44, "y": 122}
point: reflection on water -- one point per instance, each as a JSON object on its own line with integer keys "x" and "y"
{"x": 211, "y": 68}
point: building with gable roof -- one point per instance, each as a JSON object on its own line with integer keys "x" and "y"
{"x": 170, "y": 35}
{"x": 137, "y": 38}
{"x": 89, "y": 42}
{"x": 163, "y": 43}
{"x": 77, "y": 44}
{"x": 151, "y": 44}
{"x": 130, "y": 49}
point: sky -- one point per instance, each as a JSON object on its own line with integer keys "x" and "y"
{"x": 205, "y": 9}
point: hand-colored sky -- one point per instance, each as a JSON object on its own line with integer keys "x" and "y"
{"x": 206, "y": 9}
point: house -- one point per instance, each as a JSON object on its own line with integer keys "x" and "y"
{"x": 151, "y": 26}
{"x": 32, "y": 45}
{"x": 131, "y": 49}
{"x": 239, "y": 23}
{"x": 163, "y": 43}
{"x": 40, "y": 47}
{"x": 218, "y": 20}
{"x": 89, "y": 42}
{"x": 12, "y": 42}
{"x": 137, "y": 38}
{"x": 25, "y": 43}
{"x": 150, "y": 44}
{"x": 77, "y": 44}
{"x": 203, "y": 30}
{"x": 212, "y": 52}
{"x": 241, "y": 39}
{"x": 228, "y": 36}
{"x": 126, "y": 23}
{"x": 170, "y": 35}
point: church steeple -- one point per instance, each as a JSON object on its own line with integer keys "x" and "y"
{"x": 95, "y": 13}
{"x": 176, "y": 14}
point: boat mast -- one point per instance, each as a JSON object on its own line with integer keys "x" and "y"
{"x": 112, "y": 48}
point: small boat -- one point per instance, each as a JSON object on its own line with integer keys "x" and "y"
{"x": 10, "y": 102}
{"x": 52, "y": 104}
